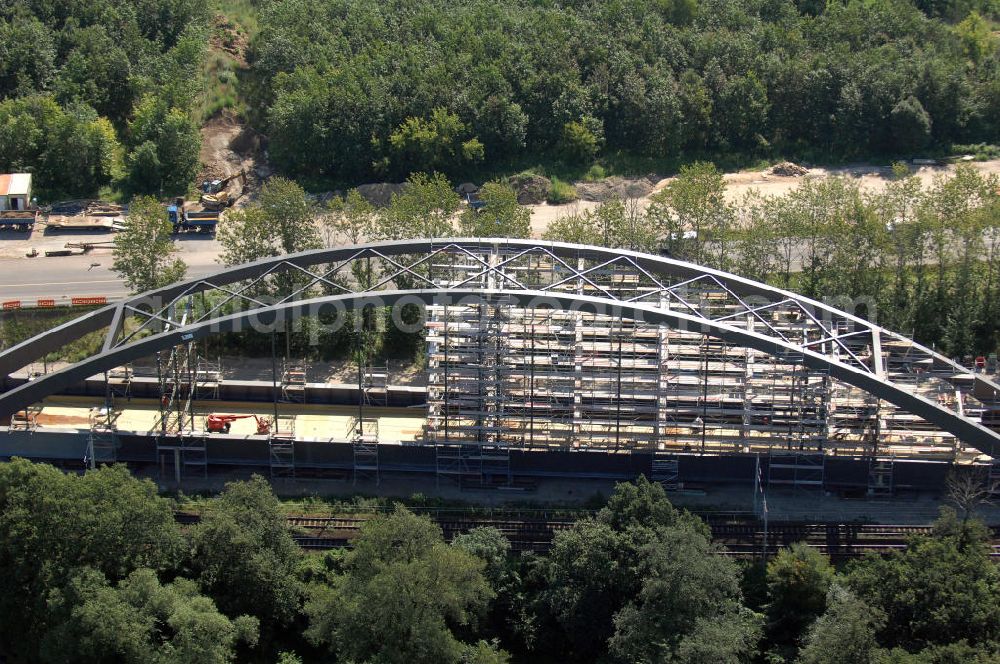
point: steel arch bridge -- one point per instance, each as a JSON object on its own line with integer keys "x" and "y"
{"x": 515, "y": 323}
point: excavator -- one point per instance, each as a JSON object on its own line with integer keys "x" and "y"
{"x": 217, "y": 423}
{"x": 215, "y": 193}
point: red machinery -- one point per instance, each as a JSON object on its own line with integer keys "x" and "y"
{"x": 221, "y": 423}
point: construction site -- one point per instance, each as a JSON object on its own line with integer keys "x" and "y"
{"x": 542, "y": 362}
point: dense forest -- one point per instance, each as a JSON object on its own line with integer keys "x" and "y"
{"x": 96, "y": 569}
{"x": 100, "y": 92}
{"x": 351, "y": 90}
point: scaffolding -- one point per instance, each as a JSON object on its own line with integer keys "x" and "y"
{"x": 503, "y": 376}
{"x": 282, "y": 455}
{"x": 666, "y": 470}
{"x": 183, "y": 377}
{"x": 119, "y": 381}
{"x": 373, "y": 391}
{"x": 543, "y": 378}
{"x": 27, "y": 419}
{"x": 881, "y": 476}
{"x": 102, "y": 441}
{"x": 375, "y": 384}
{"x": 207, "y": 378}
{"x": 364, "y": 445}
{"x": 473, "y": 382}
{"x": 293, "y": 381}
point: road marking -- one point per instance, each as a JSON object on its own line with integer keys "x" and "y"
{"x": 64, "y": 283}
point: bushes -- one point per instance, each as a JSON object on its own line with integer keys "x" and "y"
{"x": 561, "y": 192}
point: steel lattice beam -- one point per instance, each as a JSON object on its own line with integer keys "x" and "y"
{"x": 633, "y": 284}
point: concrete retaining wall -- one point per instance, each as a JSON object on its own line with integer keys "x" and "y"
{"x": 68, "y": 448}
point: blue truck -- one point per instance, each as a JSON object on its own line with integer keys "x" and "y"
{"x": 203, "y": 221}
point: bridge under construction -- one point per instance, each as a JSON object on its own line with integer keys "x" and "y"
{"x": 542, "y": 359}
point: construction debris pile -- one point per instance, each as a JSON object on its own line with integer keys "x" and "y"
{"x": 788, "y": 169}
{"x": 85, "y": 214}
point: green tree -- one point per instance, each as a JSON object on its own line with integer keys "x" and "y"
{"x": 742, "y": 109}
{"x": 97, "y": 72}
{"x": 246, "y": 235}
{"x": 941, "y": 589}
{"x": 798, "y": 580}
{"x": 351, "y": 217}
{"x": 576, "y": 228}
{"x": 177, "y": 144}
{"x": 693, "y": 201}
{"x": 911, "y": 125}
{"x": 581, "y": 140}
{"x": 424, "y": 209}
{"x": 503, "y": 572}
{"x": 52, "y": 523}
{"x": 140, "y": 621}
{"x": 244, "y": 557}
{"x": 72, "y": 152}
{"x": 642, "y": 582}
{"x": 291, "y": 215}
{"x": 401, "y": 590}
{"x": 501, "y": 217}
{"x": 977, "y": 40}
{"x": 143, "y": 250}
{"x": 438, "y": 142}
{"x": 281, "y": 221}
{"x": 27, "y": 56}
{"x": 492, "y": 547}
{"x": 622, "y": 223}
{"x": 844, "y": 634}
{"x": 484, "y": 652}
{"x": 757, "y": 245}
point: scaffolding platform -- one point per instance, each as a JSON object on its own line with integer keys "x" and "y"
{"x": 881, "y": 477}
{"x": 364, "y": 446}
{"x": 293, "y": 382}
{"x": 666, "y": 471}
{"x": 102, "y": 441}
{"x": 796, "y": 469}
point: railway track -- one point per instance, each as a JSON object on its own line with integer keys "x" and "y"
{"x": 742, "y": 535}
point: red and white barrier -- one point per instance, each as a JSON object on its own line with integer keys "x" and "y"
{"x": 49, "y": 302}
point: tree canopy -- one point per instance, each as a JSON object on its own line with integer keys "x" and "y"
{"x": 97, "y": 570}
{"x": 402, "y": 590}
{"x": 424, "y": 85}
{"x": 143, "y": 251}
{"x": 100, "y": 91}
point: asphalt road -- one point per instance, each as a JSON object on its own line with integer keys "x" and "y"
{"x": 61, "y": 278}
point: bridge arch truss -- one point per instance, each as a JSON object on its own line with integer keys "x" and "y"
{"x": 551, "y": 344}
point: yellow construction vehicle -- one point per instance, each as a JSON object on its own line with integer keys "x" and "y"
{"x": 216, "y": 195}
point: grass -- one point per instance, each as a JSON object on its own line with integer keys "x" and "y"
{"x": 18, "y": 325}
{"x": 980, "y": 151}
{"x": 561, "y": 192}
{"x": 240, "y": 12}
{"x": 234, "y": 25}
{"x": 220, "y": 85}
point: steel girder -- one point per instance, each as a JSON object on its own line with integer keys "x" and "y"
{"x": 654, "y": 288}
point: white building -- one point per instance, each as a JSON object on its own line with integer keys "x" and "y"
{"x": 15, "y": 191}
